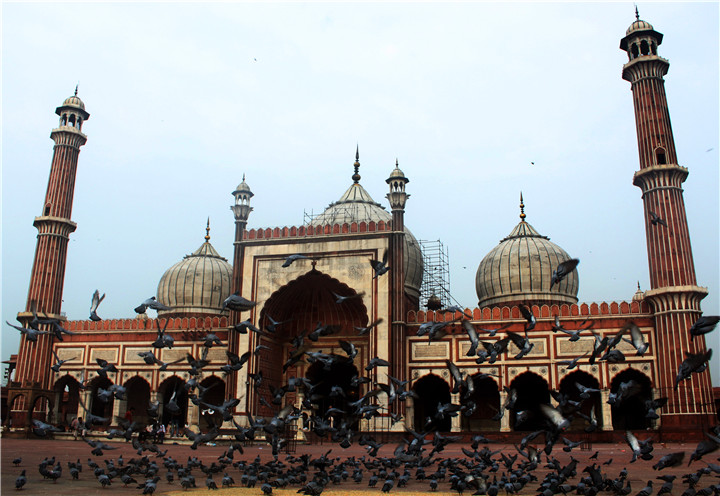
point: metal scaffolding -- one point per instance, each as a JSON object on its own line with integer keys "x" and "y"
{"x": 436, "y": 273}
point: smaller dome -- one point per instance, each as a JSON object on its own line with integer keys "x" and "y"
{"x": 243, "y": 188}
{"x": 520, "y": 269}
{"x": 639, "y": 294}
{"x": 198, "y": 284}
{"x": 397, "y": 173}
{"x": 74, "y": 101}
{"x": 639, "y": 25}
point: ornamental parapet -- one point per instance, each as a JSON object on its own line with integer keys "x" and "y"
{"x": 173, "y": 324}
{"x": 322, "y": 230}
{"x": 603, "y": 309}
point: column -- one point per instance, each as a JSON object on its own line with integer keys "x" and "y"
{"x": 606, "y": 410}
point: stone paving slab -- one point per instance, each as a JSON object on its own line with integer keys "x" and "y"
{"x": 33, "y": 451}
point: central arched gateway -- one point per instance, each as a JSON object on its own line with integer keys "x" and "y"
{"x": 300, "y": 307}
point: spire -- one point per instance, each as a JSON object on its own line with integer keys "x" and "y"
{"x": 76, "y": 88}
{"x": 356, "y": 176}
{"x": 207, "y": 231}
{"x": 637, "y": 14}
{"x": 522, "y": 208}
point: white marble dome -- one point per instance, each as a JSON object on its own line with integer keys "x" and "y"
{"x": 198, "y": 284}
{"x": 520, "y": 268}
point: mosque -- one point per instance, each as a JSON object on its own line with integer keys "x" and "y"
{"x": 337, "y": 245}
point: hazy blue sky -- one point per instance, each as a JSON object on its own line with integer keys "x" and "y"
{"x": 186, "y": 98}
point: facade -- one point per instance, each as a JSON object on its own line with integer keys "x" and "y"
{"x": 337, "y": 246}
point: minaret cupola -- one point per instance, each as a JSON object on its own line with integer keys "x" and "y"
{"x": 397, "y": 181}
{"x": 242, "y": 207}
{"x": 72, "y": 112}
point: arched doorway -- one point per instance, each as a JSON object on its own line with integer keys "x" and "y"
{"x": 214, "y": 395}
{"x": 67, "y": 398}
{"x": 173, "y": 388}
{"x": 138, "y": 399}
{"x": 532, "y": 390}
{"x": 42, "y": 410}
{"x": 97, "y": 406}
{"x": 630, "y": 414}
{"x": 572, "y": 392}
{"x": 18, "y": 412}
{"x": 339, "y": 377}
{"x": 487, "y": 403}
{"x": 301, "y": 306}
{"x": 432, "y": 391}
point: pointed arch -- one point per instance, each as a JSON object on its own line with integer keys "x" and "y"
{"x": 138, "y": 398}
{"x": 173, "y": 385}
{"x": 301, "y": 305}
{"x": 432, "y": 391}
{"x": 214, "y": 395}
{"x": 571, "y": 391}
{"x": 67, "y": 399}
{"x": 630, "y": 414}
{"x": 97, "y": 406}
{"x": 486, "y": 397}
{"x": 532, "y": 390}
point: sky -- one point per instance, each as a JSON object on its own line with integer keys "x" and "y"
{"x": 476, "y": 101}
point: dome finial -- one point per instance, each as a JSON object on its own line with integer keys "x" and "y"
{"x": 522, "y": 208}
{"x": 207, "y": 231}
{"x": 356, "y": 176}
{"x": 637, "y": 14}
{"x": 76, "y": 88}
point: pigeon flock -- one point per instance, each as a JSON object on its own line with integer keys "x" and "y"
{"x": 416, "y": 461}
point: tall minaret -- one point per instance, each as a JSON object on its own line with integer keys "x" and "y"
{"x": 241, "y": 211}
{"x": 396, "y": 260}
{"x": 674, "y": 295}
{"x": 54, "y": 227}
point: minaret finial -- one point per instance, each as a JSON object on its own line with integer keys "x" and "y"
{"x": 637, "y": 14}
{"x": 76, "y": 87}
{"x": 356, "y": 176}
{"x": 522, "y": 208}
{"x": 207, "y": 230}
{"x": 397, "y": 166}
{"x": 243, "y": 177}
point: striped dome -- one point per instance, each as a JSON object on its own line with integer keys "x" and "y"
{"x": 198, "y": 284}
{"x": 520, "y": 269}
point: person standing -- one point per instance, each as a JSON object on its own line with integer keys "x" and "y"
{"x": 160, "y": 433}
{"x": 75, "y": 426}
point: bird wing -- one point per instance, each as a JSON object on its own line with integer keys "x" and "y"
{"x": 517, "y": 340}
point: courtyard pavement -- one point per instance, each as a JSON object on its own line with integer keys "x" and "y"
{"x": 33, "y": 451}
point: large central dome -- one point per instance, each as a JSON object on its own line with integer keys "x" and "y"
{"x": 520, "y": 269}
{"x": 356, "y": 205}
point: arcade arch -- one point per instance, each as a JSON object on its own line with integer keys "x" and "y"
{"x": 432, "y": 391}
{"x": 532, "y": 390}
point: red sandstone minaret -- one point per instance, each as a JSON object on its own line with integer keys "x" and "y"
{"x": 674, "y": 295}
{"x": 54, "y": 227}
{"x": 396, "y": 260}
